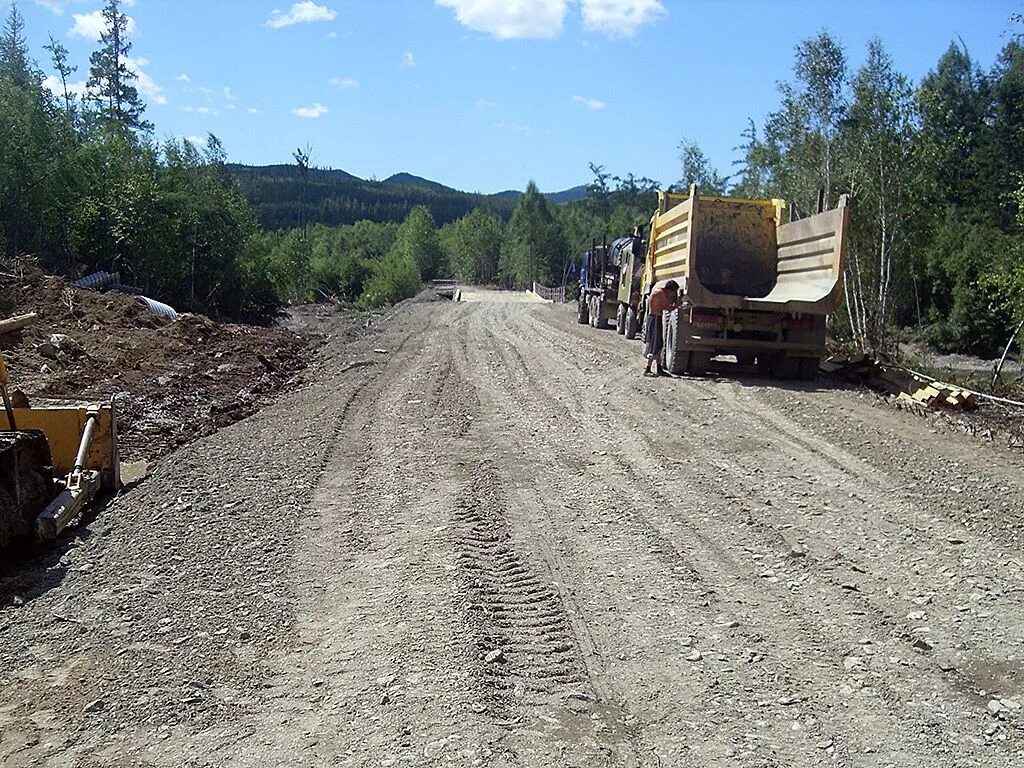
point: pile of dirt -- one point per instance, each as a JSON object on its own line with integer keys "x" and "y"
{"x": 174, "y": 381}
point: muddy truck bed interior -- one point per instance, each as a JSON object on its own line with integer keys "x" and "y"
{"x": 751, "y": 284}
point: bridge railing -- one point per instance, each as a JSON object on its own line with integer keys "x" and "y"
{"x": 555, "y": 295}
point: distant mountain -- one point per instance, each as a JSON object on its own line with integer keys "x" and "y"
{"x": 335, "y": 197}
{"x": 568, "y": 195}
{"x": 417, "y": 181}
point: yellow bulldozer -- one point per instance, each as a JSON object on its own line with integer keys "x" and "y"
{"x": 54, "y": 460}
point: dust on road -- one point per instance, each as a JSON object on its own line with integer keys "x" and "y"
{"x": 503, "y": 547}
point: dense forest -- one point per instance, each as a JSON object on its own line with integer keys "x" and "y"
{"x": 935, "y": 172}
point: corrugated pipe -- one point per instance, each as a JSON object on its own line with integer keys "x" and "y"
{"x": 98, "y": 280}
{"x": 159, "y": 308}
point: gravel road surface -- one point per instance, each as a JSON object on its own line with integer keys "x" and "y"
{"x": 480, "y": 538}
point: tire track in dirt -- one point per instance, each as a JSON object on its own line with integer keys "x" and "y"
{"x": 541, "y": 687}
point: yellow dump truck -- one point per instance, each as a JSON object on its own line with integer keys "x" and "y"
{"x": 751, "y": 283}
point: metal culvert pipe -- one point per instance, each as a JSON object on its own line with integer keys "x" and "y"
{"x": 98, "y": 280}
{"x": 159, "y": 308}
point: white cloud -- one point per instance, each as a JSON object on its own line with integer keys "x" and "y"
{"x": 199, "y": 141}
{"x": 252, "y": 111}
{"x": 332, "y": 35}
{"x": 510, "y": 19}
{"x": 91, "y": 25}
{"x": 620, "y": 17}
{"x": 57, "y": 87}
{"x": 511, "y": 126}
{"x": 147, "y": 86}
{"x": 311, "y": 113}
{"x": 344, "y": 82}
{"x": 306, "y": 12}
{"x": 518, "y": 19}
{"x": 198, "y": 110}
{"x": 229, "y": 95}
{"x": 484, "y": 104}
{"x": 408, "y": 60}
{"x": 183, "y": 79}
{"x": 589, "y": 103}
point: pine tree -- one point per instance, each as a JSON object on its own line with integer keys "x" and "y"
{"x": 59, "y": 56}
{"x": 111, "y": 81}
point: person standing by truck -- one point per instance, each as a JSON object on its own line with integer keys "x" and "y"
{"x": 662, "y": 299}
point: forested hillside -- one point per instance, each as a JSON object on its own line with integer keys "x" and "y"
{"x": 285, "y": 196}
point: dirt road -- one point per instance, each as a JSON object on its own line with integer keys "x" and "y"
{"x": 498, "y": 545}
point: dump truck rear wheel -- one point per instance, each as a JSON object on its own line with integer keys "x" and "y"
{"x": 699, "y": 363}
{"x": 676, "y": 361}
{"x": 620, "y": 320}
{"x": 582, "y": 311}
{"x": 631, "y": 324}
{"x": 745, "y": 358}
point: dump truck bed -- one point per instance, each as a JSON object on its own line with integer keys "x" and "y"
{"x": 733, "y": 253}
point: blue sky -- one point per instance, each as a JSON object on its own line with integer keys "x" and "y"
{"x": 484, "y": 95}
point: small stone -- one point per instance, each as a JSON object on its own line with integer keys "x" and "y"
{"x": 852, "y": 662}
{"x": 1009, "y": 704}
{"x": 385, "y": 698}
{"x": 922, "y": 644}
{"x": 97, "y": 705}
{"x": 695, "y": 656}
{"x": 946, "y": 666}
{"x": 687, "y": 642}
{"x": 788, "y": 701}
{"x": 824, "y": 744}
{"x": 851, "y": 587}
{"x": 995, "y": 706}
{"x": 495, "y": 657}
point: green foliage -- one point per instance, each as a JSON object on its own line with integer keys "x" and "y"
{"x": 801, "y": 136}
{"x": 393, "y": 279}
{"x": 534, "y": 248}
{"x": 111, "y": 83}
{"x": 417, "y": 241}
{"x": 85, "y": 189}
{"x": 697, "y": 169}
{"x": 473, "y": 244}
{"x": 971, "y": 270}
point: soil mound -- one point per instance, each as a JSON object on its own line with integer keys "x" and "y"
{"x": 174, "y": 381}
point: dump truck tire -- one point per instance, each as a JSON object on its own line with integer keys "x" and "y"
{"x": 620, "y": 320}
{"x": 745, "y": 358}
{"x": 582, "y": 311}
{"x": 631, "y": 324}
{"x": 598, "y": 320}
{"x": 676, "y": 361}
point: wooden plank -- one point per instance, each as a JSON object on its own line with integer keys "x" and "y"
{"x": 17, "y": 322}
